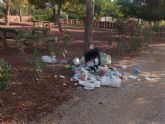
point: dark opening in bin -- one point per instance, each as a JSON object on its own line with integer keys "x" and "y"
{"x": 93, "y": 55}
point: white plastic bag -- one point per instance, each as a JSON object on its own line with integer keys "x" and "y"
{"x": 112, "y": 82}
{"x": 96, "y": 84}
{"x": 132, "y": 77}
{"x": 49, "y": 59}
{"x": 76, "y": 61}
{"x": 94, "y": 81}
{"x": 87, "y": 85}
{"x": 105, "y": 59}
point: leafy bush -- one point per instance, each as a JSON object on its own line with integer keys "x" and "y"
{"x": 4, "y": 75}
{"x": 136, "y": 43}
{"x": 125, "y": 26}
{"x": 120, "y": 25}
{"x": 65, "y": 38}
{"x": 35, "y": 68}
{"x": 129, "y": 35}
{"x": 74, "y": 16}
{"x": 30, "y": 38}
{"x": 42, "y": 17}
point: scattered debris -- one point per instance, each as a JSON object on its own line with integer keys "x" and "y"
{"x": 61, "y": 76}
{"x": 13, "y": 94}
{"x": 112, "y": 82}
{"x": 123, "y": 66}
{"x": 149, "y": 79}
{"x": 91, "y": 71}
{"x": 105, "y": 59}
{"x": 76, "y": 61}
{"x": 136, "y": 71}
{"x": 87, "y": 85}
{"x": 132, "y": 77}
{"x": 94, "y": 70}
{"x": 49, "y": 59}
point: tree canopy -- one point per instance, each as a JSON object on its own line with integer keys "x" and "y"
{"x": 151, "y": 10}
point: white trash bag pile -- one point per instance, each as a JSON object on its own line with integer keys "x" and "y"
{"x": 104, "y": 76}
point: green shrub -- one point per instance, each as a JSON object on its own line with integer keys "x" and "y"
{"x": 42, "y": 17}
{"x": 136, "y": 43}
{"x": 4, "y": 75}
{"x": 30, "y": 38}
{"x": 121, "y": 26}
{"x": 35, "y": 68}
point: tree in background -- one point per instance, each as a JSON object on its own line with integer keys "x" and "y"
{"x": 106, "y": 8}
{"x": 7, "y": 4}
{"x": 55, "y": 5}
{"x": 19, "y": 4}
{"x": 10, "y": 7}
{"x": 89, "y": 4}
{"x": 2, "y": 8}
{"x": 98, "y": 9}
{"x": 150, "y": 10}
{"x": 74, "y": 9}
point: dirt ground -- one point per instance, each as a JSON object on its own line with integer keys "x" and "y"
{"x": 31, "y": 102}
{"x": 27, "y": 100}
{"x": 133, "y": 103}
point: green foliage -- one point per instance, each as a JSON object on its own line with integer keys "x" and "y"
{"x": 54, "y": 49}
{"x": 120, "y": 25}
{"x": 74, "y": 9}
{"x": 43, "y": 4}
{"x": 129, "y": 44}
{"x": 4, "y": 75}
{"x": 145, "y": 9}
{"x": 106, "y": 8}
{"x": 129, "y": 35}
{"x": 136, "y": 43}
{"x": 20, "y": 38}
{"x": 42, "y": 18}
{"x": 125, "y": 26}
{"x": 35, "y": 68}
{"x": 30, "y": 38}
{"x": 65, "y": 38}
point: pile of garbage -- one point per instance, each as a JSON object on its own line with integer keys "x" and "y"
{"x": 104, "y": 76}
{"x": 93, "y": 71}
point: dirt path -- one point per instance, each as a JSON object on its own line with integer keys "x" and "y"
{"x": 133, "y": 103}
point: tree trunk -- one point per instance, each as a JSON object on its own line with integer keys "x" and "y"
{"x": 89, "y": 24}
{"x": 7, "y": 14}
{"x": 20, "y": 14}
{"x": 57, "y": 17}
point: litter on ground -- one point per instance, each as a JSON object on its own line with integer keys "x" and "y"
{"x": 94, "y": 70}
